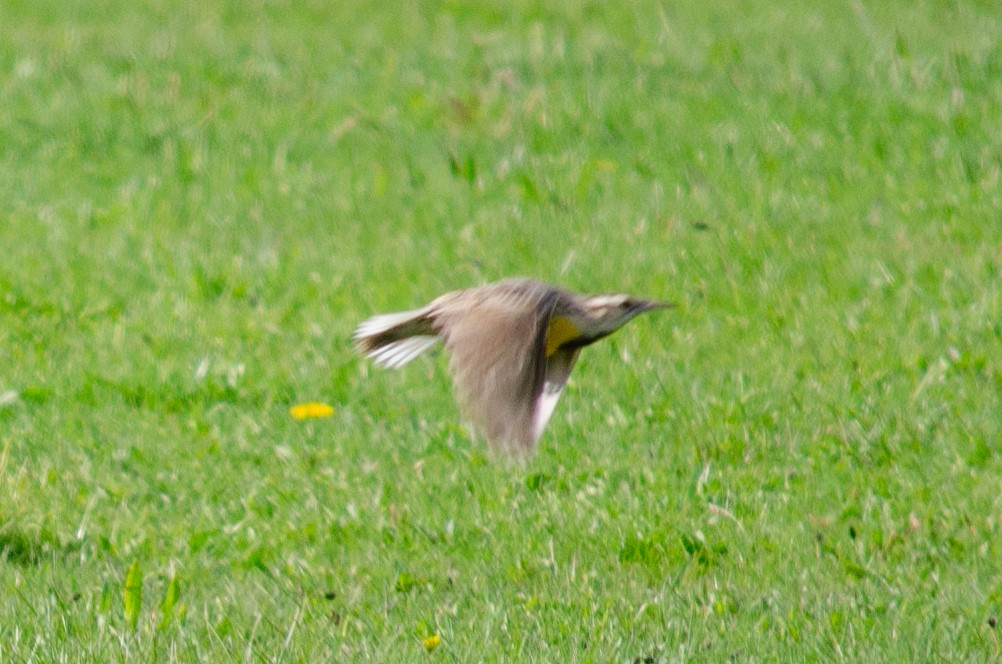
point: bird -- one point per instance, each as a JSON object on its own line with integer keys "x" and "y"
{"x": 512, "y": 346}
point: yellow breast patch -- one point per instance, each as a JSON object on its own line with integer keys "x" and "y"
{"x": 560, "y": 331}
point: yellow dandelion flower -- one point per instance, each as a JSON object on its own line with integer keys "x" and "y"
{"x": 305, "y": 411}
{"x": 431, "y": 642}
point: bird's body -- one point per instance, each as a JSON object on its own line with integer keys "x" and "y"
{"x": 512, "y": 343}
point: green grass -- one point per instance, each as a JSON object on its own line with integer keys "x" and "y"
{"x": 201, "y": 200}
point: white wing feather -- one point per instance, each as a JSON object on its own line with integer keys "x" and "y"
{"x": 370, "y": 327}
{"x": 399, "y": 353}
{"x": 394, "y": 354}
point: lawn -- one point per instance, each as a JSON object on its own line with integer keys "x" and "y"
{"x": 199, "y": 201}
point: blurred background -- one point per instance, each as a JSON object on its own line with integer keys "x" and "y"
{"x": 199, "y": 201}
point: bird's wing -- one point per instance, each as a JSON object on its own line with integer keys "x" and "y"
{"x": 499, "y": 364}
{"x": 393, "y": 340}
{"x": 558, "y": 370}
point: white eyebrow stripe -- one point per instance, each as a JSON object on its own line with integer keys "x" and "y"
{"x": 607, "y": 300}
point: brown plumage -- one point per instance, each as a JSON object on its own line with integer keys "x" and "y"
{"x": 512, "y": 344}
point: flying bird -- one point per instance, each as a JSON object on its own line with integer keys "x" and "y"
{"x": 512, "y": 344}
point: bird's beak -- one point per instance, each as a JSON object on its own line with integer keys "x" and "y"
{"x": 650, "y": 305}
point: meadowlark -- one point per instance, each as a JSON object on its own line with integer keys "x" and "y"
{"x": 512, "y": 345}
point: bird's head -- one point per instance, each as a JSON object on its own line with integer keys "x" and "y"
{"x": 608, "y": 313}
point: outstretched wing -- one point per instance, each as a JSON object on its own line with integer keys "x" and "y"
{"x": 499, "y": 364}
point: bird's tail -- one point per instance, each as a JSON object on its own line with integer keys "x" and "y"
{"x": 393, "y": 340}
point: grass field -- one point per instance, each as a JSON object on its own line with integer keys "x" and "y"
{"x": 199, "y": 201}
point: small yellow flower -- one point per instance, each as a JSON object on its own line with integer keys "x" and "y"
{"x": 431, "y": 642}
{"x": 309, "y": 410}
